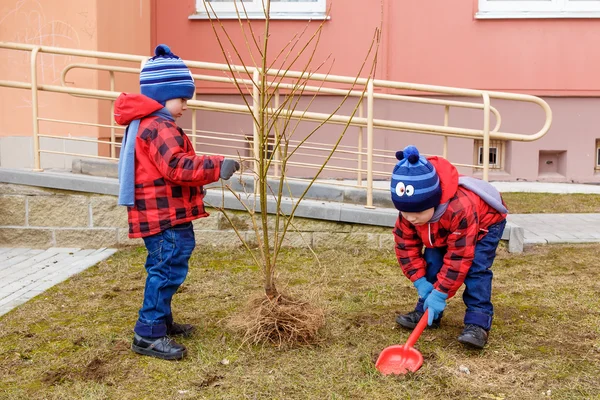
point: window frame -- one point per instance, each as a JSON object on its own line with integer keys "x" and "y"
{"x": 538, "y": 9}
{"x": 494, "y": 151}
{"x": 279, "y": 9}
{"x": 597, "y": 166}
{"x": 498, "y": 145}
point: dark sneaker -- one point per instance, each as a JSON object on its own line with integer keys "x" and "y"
{"x": 474, "y": 336}
{"x": 410, "y": 320}
{"x": 164, "y": 348}
{"x": 176, "y": 329}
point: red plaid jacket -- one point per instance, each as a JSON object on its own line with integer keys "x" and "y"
{"x": 464, "y": 222}
{"x": 168, "y": 174}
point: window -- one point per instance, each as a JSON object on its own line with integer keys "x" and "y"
{"x": 597, "y": 155}
{"x": 280, "y": 9}
{"x": 495, "y": 155}
{"x": 538, "y": 9}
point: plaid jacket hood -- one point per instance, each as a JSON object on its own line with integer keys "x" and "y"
{"x": 130, "y": 106}
{"x": 464, "y": 222}
{"x": 169, "y": 175}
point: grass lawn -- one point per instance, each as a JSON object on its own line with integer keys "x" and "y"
{"x": 551, "y": 203}
{"x": 72, "y": 342}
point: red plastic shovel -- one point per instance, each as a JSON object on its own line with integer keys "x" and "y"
{"x": 399, "y": 359}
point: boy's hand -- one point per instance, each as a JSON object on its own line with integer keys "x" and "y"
{"x": 435, "y": 302}
{"x": 228, "y": 167}
{"x": 423, "y": 287}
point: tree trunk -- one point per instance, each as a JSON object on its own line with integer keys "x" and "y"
{"x": 271, "y": 290}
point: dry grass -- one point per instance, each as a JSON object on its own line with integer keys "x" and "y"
{"x": 72, "y": 342}
{"x": 553, "y": 203}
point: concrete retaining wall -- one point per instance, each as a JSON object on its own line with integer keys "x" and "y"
{"x": 42, "y": 209}
{"x": 41, "y": 218}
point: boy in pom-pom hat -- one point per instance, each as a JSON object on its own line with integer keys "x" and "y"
{"x": 446, "y": 234}
{"x": 161, "y": 182}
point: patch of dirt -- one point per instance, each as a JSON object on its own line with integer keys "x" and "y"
{"x": 57, "y": 377}
{"x": 96, "y": 370}
{"x": 375, "y": 356}
{"x": 209, "y": 381}
{"x": 122, "y": 347}
{"x": 364, "y": 319}
{"x": 182, "y": 289}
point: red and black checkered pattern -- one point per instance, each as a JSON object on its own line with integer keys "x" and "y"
{"x": 465, "y": 221}
{"x": 168, "y": 178}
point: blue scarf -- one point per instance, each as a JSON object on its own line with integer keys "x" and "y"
{"x": 127, "y": 159}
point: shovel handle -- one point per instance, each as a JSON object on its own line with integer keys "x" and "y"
{"x": 414, "y": 336}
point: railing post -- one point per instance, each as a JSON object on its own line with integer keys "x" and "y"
{"x": 34, "y": 109}
{"x": 194, "y": 123}
{"x": 360, "y": 143}
{"x": 446, "y": 122}
{"x": 113, "y": 138}
{"x": 370, "y": 139}
{"x": 486, "y": 136}
{"x": 256, "y": 114}
{"x": 276, "y": 144}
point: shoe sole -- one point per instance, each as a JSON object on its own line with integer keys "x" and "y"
{"x": 162, "y": 356}
{"x": 410, "y": 325}
{"x": 185, "y": 334}
{"x": 471, "y": 342}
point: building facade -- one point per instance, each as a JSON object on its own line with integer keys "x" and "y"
{"x": 542, "y": 48}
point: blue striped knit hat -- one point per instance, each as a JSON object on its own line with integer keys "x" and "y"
{"x": 165, "y": 77}
{"x": 415, "y": 183}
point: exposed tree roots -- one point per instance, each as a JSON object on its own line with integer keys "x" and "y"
{"x": 282, "y": 321}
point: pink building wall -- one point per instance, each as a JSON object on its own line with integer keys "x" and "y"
{"x": 433, "y": 42}
{"x": 436, "y": 42}
{"x": 57, "y": 23}
{"x": 441, "y": 42}
{"x": 103, "y": 25}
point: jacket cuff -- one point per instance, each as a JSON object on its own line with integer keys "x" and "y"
{"x": 440, "y": 289}
{"x": 417, "y": 275}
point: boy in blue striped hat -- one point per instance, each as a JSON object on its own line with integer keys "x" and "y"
{"x": 161, "y": 181}
{"x": 446, "y": 234}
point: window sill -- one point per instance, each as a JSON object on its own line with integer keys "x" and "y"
{"x": 536, "y": 14}
{"x": 283, "y": 16}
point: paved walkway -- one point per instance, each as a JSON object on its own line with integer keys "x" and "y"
{"x": 554, "y": 228}
{"x": 558, "y": 228}
{"x": 25, "y": 273}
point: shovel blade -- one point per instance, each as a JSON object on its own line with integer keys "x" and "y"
{"x": 399, "y": 360}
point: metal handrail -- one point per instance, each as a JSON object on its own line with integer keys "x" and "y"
{"x": 321, "y": 77}
{"x": 373, "y": 89}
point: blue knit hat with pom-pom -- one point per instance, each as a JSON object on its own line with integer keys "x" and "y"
{"x": 415, "y": 184}
{"x": 165, "y": 77}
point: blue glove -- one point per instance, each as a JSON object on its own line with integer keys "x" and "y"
{"x": 423, "y": 287}
{"x": 228, "y": 167}
{"x": 435, "y": 302}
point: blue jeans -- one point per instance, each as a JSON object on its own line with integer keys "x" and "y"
{"x": 478, "y": 283}
{"x": 167, "y": 267}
